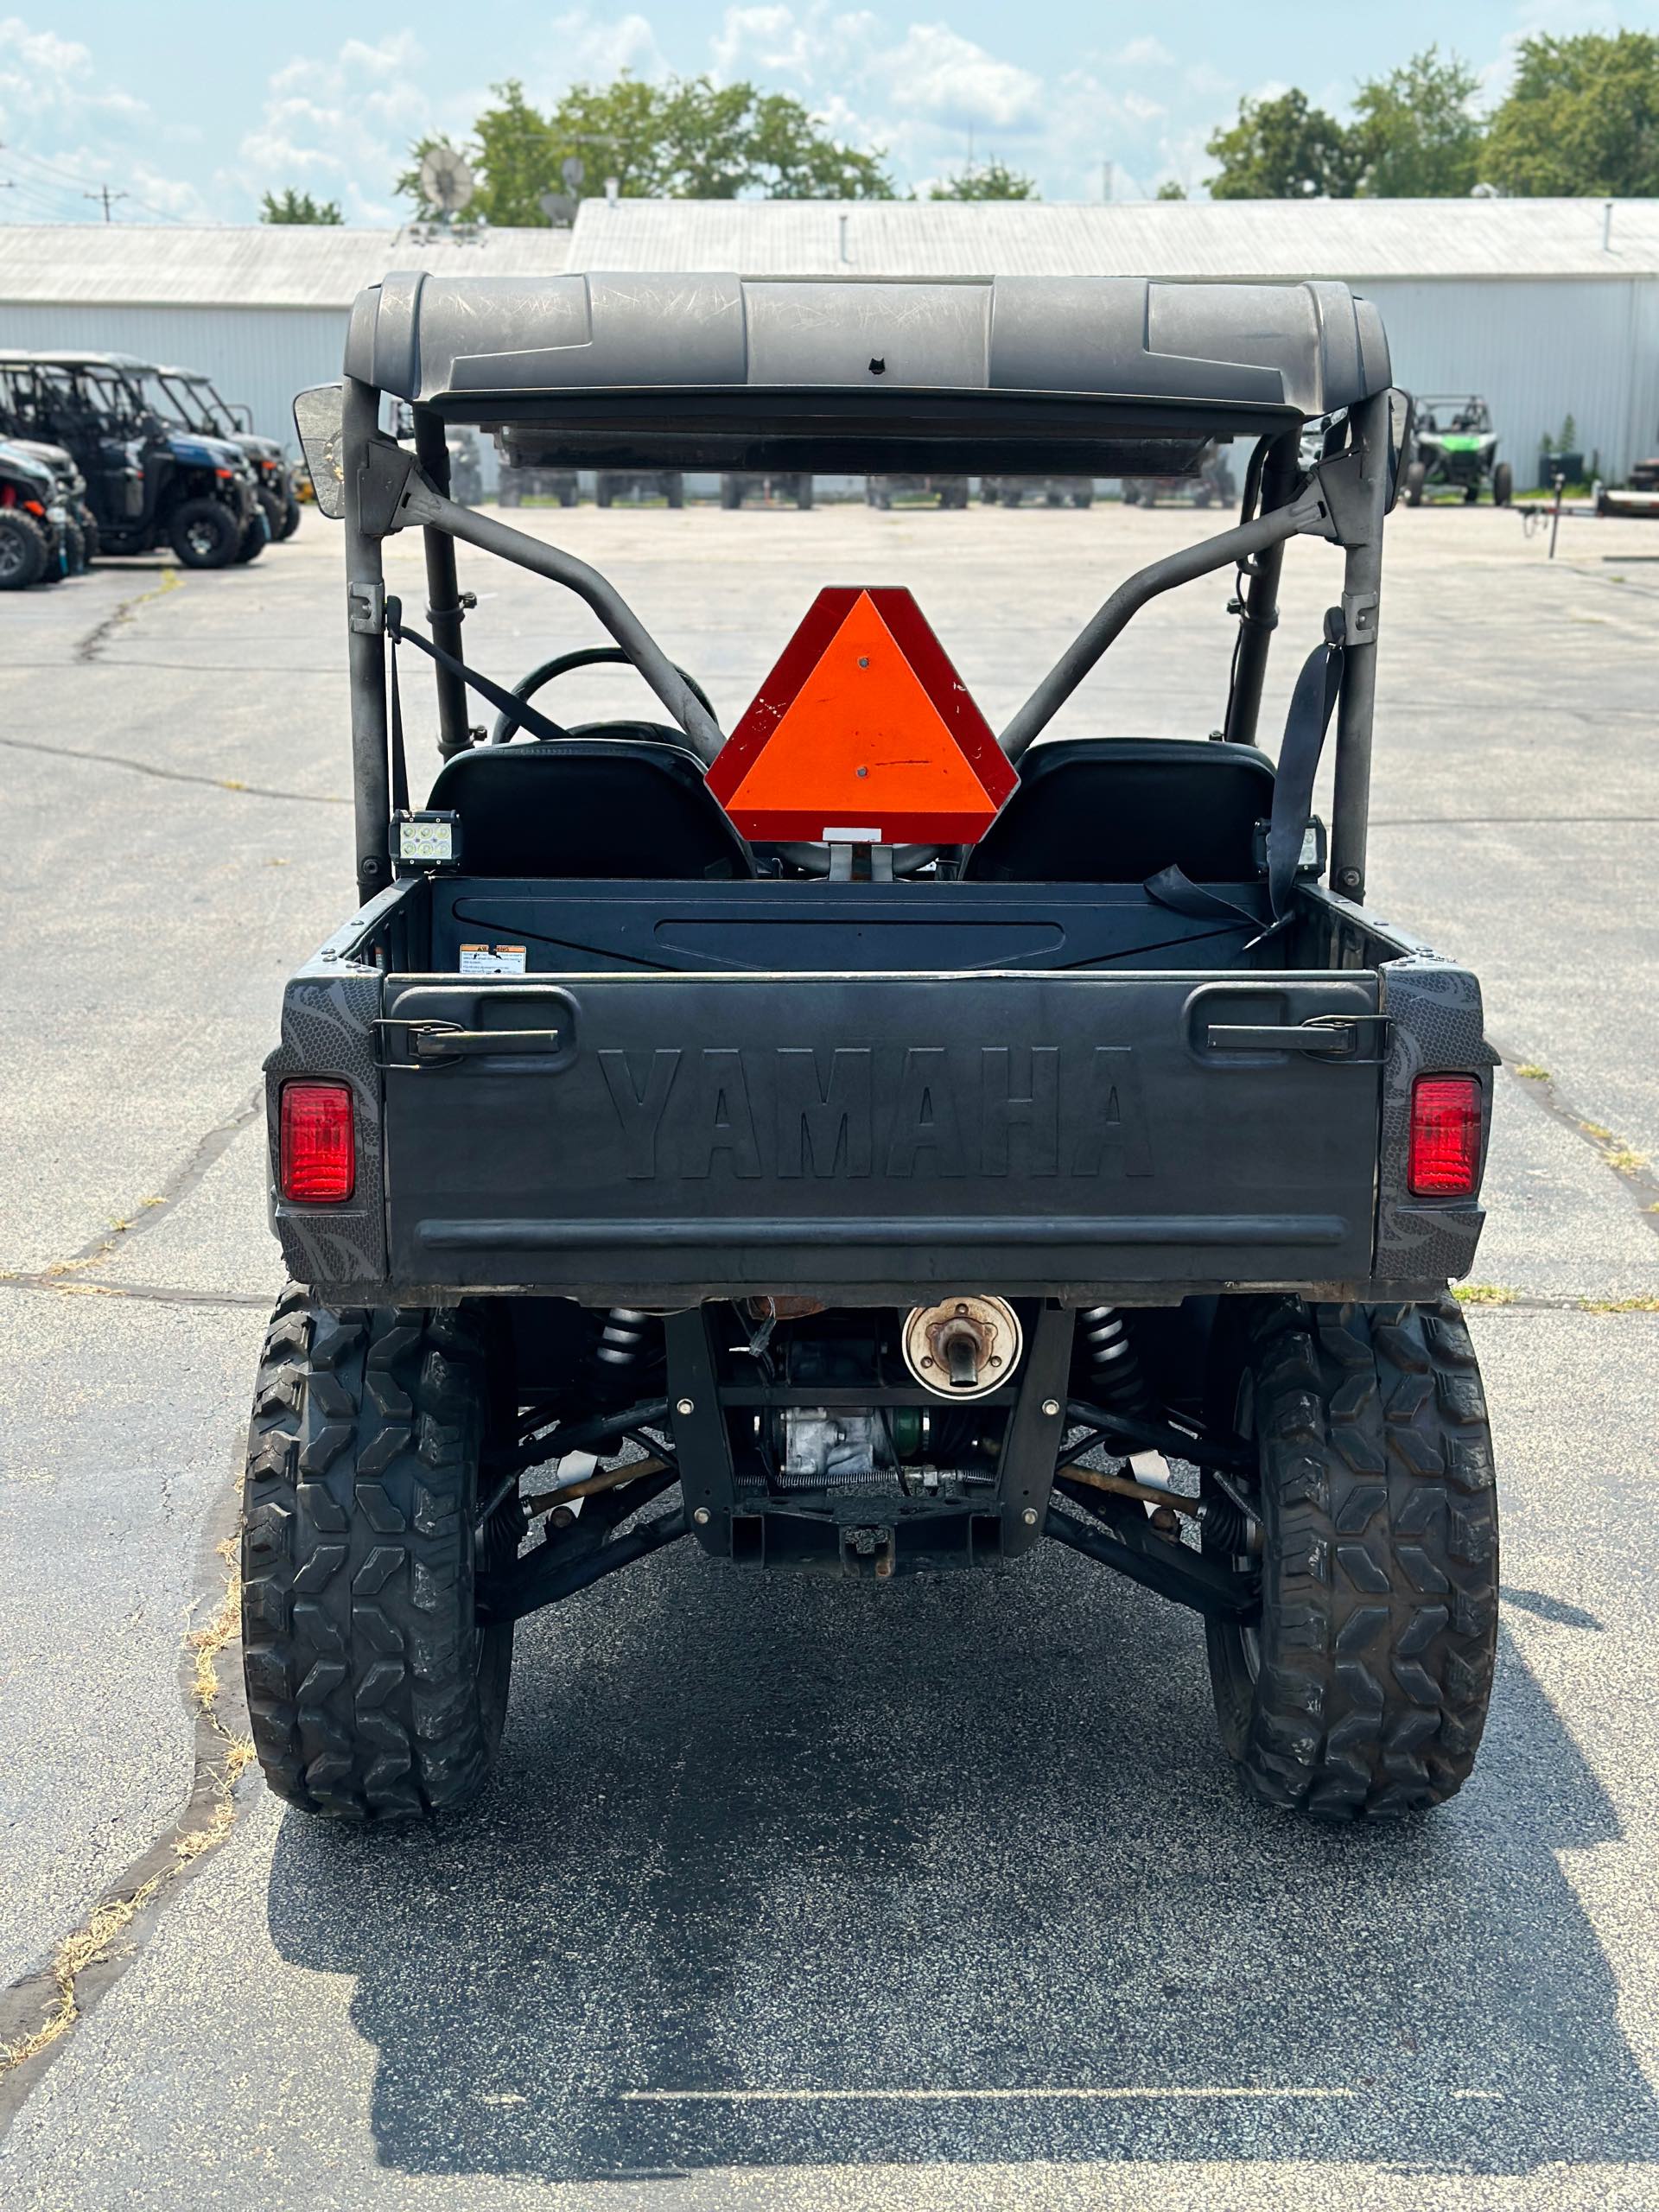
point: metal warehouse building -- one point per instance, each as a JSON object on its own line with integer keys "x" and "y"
{"x": 1549, "y": 306}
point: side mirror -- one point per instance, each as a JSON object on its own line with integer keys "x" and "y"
{"x": 1402, "y": 414}
{"x": 319, "y": 417}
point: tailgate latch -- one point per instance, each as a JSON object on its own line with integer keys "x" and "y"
{"x": 1339, "y": 1037}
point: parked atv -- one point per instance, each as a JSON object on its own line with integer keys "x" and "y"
{"x": 794, "y": 484}
{"x": 1454, "y": 446}
{"x": 553, "y": 485}
{"x": 81, "y": 528}
{"x": 1053, "y": 491}
{"x": 1209, "y": 485}
{"x": 641, "y": 484}
{"x": 859, "y": 1143}
{"x": 882, "y": 490}
{"x": 188, "y": 400}
{"x": 466, "y": 474}
{"x": 36, "y": 545}
{"x": 146, "y": 485}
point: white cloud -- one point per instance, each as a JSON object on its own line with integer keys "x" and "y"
{"x": 339, "y": 128}
{"x": 1140, "y": 53}
{"x": 938, "y": 74}
{"x": 591, "y": 47}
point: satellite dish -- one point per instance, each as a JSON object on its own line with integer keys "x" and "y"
{"x": 559, "y": 207}
{"x": 446, "y": 180}
{"x": 572, "y": 171}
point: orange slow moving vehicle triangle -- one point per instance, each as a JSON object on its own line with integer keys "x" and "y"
{"x": 863, "y": 734}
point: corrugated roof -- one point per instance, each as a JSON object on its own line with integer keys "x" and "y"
{"x": 1355, "y": 239}
{"x": 285, "y": 265}
{"x": 263, "y": 264}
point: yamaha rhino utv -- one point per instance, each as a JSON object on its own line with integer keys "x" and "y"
{"x": 851, "y": 1142}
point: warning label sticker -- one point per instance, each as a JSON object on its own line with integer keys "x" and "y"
{"x": 491, "y": 959}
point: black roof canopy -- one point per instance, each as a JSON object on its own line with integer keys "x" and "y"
{"x": 1103, "y": 374}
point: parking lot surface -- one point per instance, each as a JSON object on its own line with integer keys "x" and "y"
{"x": 785, "y": 1894}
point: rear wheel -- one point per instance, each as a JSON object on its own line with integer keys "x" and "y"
{"x": 274, "y": 513}
{"x": 290, "y": 517}
{"x": 24, "y": 552}
{"x": 1362, "y": 1693}
{"x": 1416, "y": 479}
{"x": 88, "y": 523}
{"x": 204, "y": 533}
{"x": 374, "y": 1693}
{"x": 74, "y": 549}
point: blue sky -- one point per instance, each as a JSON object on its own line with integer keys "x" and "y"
{"x": 192, "y": 110}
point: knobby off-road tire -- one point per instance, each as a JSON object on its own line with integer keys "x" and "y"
{"x": 374, "y": 1695}
{"x": 25, "y": 553}
{"x": 1364, "y": 1693}
{"x": 204, "y": 533}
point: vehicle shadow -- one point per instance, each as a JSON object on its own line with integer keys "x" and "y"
{"x": 840, "y": 1841}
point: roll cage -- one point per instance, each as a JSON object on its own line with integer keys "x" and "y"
{"x": 1017, "y": 376}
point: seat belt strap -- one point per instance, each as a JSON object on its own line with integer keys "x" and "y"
{"x": 518, "y": 711}
{"x": 1312, "y": 702}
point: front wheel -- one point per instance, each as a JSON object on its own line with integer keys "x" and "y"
{"x": 204, "y": 533}
{"x": 374, "y": 1695}
{"x": 24, "y": 551}
{"x": 1416, "y": 480}
{"x": 1502, "y": 485}
{"x": 1361, "y": 1691}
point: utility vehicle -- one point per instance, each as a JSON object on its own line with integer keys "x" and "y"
{"x": 849, "y": 1141}
{"x": 1209, "y": 485}
{"x": 950, "y": 491}
{"x": 35, "y": 545}
{"x": 147, "y": 485}
{"x": 735, "y": 487}
{"x": 1053, "y": 491}
{"x": 515, "y": 485}
{"x": 1454, "y": 446}
{"x": 190, "y": 401}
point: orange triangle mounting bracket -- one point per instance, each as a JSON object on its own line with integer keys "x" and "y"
{"x": 863, "y": 734}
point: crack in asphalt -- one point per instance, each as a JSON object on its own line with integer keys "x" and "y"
{"x": 174, "y": 775}
{"x": 177, "y": 1188}
{"x": 88, "y": 647}
{"x": 1633, "y": 1168}
{"x": 38, "y": 2012}
{"x": 153, "y": 1294}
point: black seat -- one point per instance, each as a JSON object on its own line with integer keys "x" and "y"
{"x": 1118, "y": 809}
{"x": 589, "y": 806}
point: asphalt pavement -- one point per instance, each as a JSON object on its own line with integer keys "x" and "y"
{"x": 792, "y": 1895}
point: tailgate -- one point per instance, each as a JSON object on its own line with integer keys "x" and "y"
{"x": 713, "y": 1134}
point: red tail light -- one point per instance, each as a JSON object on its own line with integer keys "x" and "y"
{"x": 1445, "y": 1156}
{"x": 318, "y": 1142}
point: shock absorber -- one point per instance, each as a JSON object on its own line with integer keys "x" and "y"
{"x": 623, "y": 1346}
{"x": 1114, "y": 1369}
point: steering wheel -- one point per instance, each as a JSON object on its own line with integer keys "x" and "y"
{"x": 591, "y": 656}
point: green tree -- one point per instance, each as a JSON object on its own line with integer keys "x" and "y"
{"x": 292, "y": 206}
{"x": 1170, "y": 189}
{"x": 993, "y": 179}
{"x": 1282, "y": 149}
{"x": 686, "y": 139}
{"x": 1413, "y": 134}
{"x": 1582, "y": 118}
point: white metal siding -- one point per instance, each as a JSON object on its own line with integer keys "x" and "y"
{"x": 261, "y": 355}
{"x": 1539, "y": 350}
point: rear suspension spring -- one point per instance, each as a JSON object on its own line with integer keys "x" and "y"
{"x": 624, "y": 1345}
{"x": 1114, "y": 1367}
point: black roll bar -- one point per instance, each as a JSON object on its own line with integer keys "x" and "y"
{"x": 1345, "y": 500}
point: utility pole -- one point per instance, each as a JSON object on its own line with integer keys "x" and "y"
{"x": 1106, "y": 181}
{"x": 107, "y": 197}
